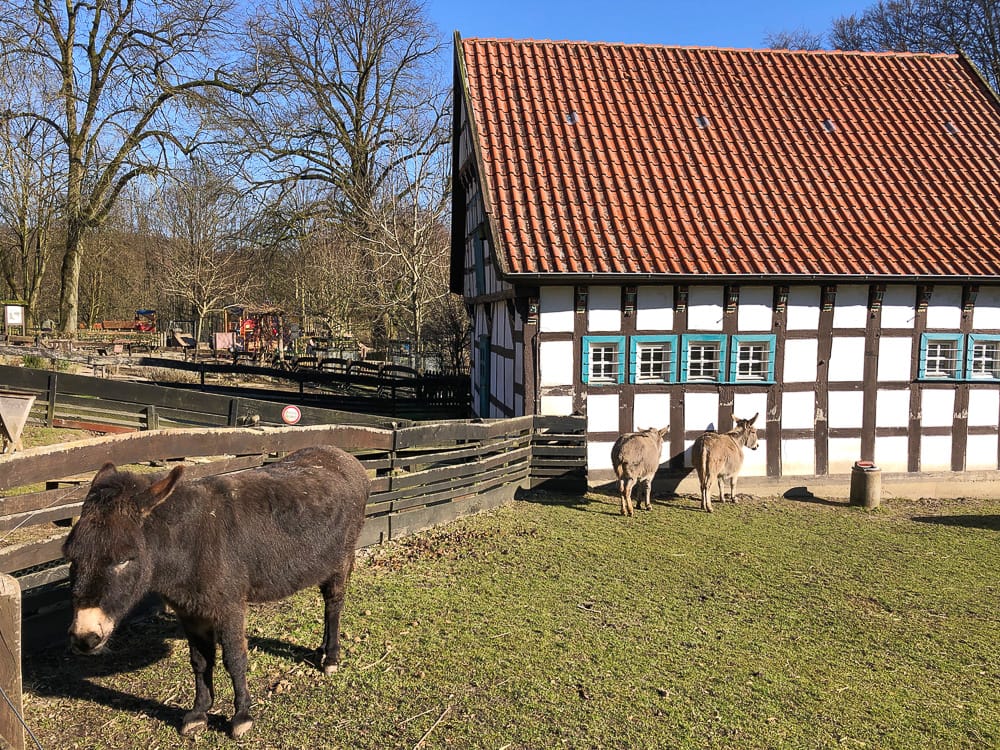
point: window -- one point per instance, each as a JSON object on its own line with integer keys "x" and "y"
{"x": 753, "y": 359}
{"x": 653, "y": 359}
{"x": 983, "y": 357}
{"x": 602, "y": 360}
{"x": 940, "y": 356}
{"x": 702, "y": 357}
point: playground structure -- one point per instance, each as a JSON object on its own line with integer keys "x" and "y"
{"x": 14, "y": 410}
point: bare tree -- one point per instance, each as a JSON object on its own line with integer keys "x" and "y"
{"x": 121, "y": 72}
{"x": 409, "y": 241}
{"x": 30, "y": 196}
{"x": 205, "y": 262}
{"x": 797, "y": 39}
{"x": 970, "y": 27}
{"x": 345, "y": 79}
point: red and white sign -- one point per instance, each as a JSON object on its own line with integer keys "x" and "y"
{"x": 291, "y": 414}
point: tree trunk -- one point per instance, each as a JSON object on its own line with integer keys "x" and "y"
{"x": 69, "y": 294}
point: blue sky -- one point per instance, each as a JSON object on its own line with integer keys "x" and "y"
{"x": 717, "y": 23}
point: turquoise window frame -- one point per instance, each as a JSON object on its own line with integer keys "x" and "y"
{"x": 585, "y": 356}
{"x": 633, "y": 356}
{"x": 973, "y": 339}
{"x": 771, "y": 340}
{"x": 687, "y": 339}
{"x": 958, "y": 339}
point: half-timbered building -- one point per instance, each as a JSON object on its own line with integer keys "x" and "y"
{"x": 663, "y": 236}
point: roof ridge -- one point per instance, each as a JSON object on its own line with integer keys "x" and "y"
{"x": 704, "y": 47}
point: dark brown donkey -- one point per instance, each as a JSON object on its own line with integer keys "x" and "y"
{"x": 211, "y": 545}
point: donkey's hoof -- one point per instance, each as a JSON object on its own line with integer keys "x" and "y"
{"x": 331, "y": 668}
{"x": 240, "y": 725}
{"x": 193, "y": 723}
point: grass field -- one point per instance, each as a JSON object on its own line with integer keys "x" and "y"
{"x": 554, "y": 622}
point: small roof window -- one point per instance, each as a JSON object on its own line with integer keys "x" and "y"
{"x": 703, "y": 121}
{"x": 950, "y": 127}
{"x": 829, "y": 125}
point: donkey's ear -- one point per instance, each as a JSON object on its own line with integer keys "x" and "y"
{"x": 103, "y": 473}
{"x": 160, "y": 490}
{"x": 664, "y": 432}
{"x": 753, "y": 418}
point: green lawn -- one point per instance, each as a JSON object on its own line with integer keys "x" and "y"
{"x": 557, "y": 623}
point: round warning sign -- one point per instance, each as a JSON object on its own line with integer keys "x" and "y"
{"x": 291, "y": 414}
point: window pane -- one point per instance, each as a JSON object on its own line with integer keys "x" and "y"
{"x": 752, "y": 360}
{"x": 703, "y": 360}
{"x": 942, "y": 359}
{"x": 985, "y": 362}
{"x": 604, "y": 363}
{"x": 654, "y": 362}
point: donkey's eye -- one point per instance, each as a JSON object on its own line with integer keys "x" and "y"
{"x": 120, "y": 566}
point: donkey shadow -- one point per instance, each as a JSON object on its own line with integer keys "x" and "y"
{"x": 141, "y": 642}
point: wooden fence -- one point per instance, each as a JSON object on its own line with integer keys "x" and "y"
{"x": 356, "y": 386}
{"x": 64, "y": 400}
{"x": 423, "y": 475}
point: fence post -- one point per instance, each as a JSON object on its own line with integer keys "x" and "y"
{"x": 50, "y": 414}
{"x": 152, "y": 419}
{"x": 11, "y": 729}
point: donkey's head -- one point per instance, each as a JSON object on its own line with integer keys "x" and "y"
{"x": 748, "y": 433}
{"x": 110, "y": 567}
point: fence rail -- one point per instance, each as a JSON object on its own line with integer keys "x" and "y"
{"x": 423, "y": 474}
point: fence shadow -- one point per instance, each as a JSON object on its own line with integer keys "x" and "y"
{"x": 991, "y": 523}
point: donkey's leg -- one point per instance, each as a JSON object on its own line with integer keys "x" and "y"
{"x": 732, "y": 489}
{"x": 630, "y": 488}
{"x": 649, "y": 492}
{"x": 334, "y": 590}
{"x": 232, "y": 634}
{"x": 706, "y": 496}
{"x": 201, "y": 641}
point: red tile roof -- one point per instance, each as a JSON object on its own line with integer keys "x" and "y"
{"x": 610, "y": 158}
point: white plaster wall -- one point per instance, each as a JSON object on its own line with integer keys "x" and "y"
{"x": 850, "y": 309}
{"x": 843, "y": 452}
{"x": 798, "y": 410}
{"x": 745, "y": 405}
{"x": 898, "y": 306}
{"x": 604, "y": 308}
{"x": 945, "y": 307}
{"x": 846, "y": 409}
{"x": 602, "y": 412}
{"x": 892, "y": 409}
{"x": 557, "y": 406}
{"x": 935, "y": 452}
{"x": 984, "y": 407}
{"x": 894, "y": 359}
{"x": 754, "y": 310}
{"x": 981, "y": 452}
{"x": 555, "y": 309}
{"x": 705, "y": 308}
{"x": 847, "y": 359}
{"x": 801, "y": 356}
{"x": 937, "y": 408}
{"x": 701, "y": 411}
{"x": 890, "y": 453}
{"x": 803, "y": 308}
{"x": 651, "y": 410}
{"x": 986, "y": 314}
{"x": 655, "y": 308}
{"x": 555, "y": 363}
{"x": 798, "y": 457}
{"x": 599, "y": 456}
{"x": 755, "y": 462}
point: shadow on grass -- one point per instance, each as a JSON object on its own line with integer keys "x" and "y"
{"x": 968, "y": 521}
{"x": 803, "y": 495}
{"x": 57, "y": 672}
